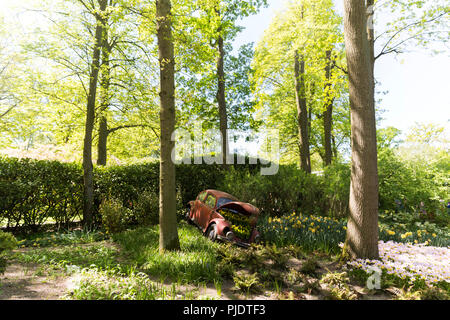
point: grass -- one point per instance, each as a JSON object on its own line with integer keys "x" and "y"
{"x": 196, "y": 262}
{"x": 128, "y": 265}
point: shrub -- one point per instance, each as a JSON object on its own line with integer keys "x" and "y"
{"x": 7, "y": 242}
{"x": 337, "y": 189}
{"x": 34, "y": 191}
{"x": 290, "y": 189}
{"x": 246, "y": 283}
{"x": 338, "y": 284}
{"x": 114, "y": 215}
{"x": 146, "y": 210}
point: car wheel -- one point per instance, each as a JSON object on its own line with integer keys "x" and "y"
{"x": 211, "y": 233}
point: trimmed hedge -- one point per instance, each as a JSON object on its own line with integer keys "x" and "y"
{"x": 33, "y": 192}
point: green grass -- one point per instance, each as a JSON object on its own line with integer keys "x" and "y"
{"x": 97, "y": 284}
{"x": 51, "y": 239}
{"x": 128, "y": 265}
{"x": 96, "y": 255}
{"x": 196, "y": 262}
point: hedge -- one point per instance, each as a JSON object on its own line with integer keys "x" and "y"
{"x": 33, "y": 192}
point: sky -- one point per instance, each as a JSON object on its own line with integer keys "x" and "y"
{"x": 418, "y": 84}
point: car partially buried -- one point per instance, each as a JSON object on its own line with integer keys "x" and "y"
{"x": 222, "y": 216}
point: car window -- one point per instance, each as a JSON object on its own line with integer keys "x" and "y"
{"x": 210, "y": 201}
{"x": 201, "y": 196}
{"x": 222, "y": 201}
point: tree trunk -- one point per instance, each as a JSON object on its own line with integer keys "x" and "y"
{"x": 221, "y": 100}
{"x": 362, "y": 227}
{"x": 105, "y": 81}
{"x": 102, "y": 141}
{"x": 168, "y": 233}
{"x": 302, "y": 113}
{"x": 88, "y": 176}
{"x": 328, "y": 113}
{"x": 371, "y": 39}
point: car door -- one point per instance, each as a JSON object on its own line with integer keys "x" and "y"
{"x": 197, "y": 205}
{"x": 206, "y": 208}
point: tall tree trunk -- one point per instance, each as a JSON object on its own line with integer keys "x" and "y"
{"x": 102, "y": 146}
{"x": 88, "y": 176}
{"x": 221, "y": 100}
{"x": 105, "y": 81}
{"x": 362, "y": 226}
{"x": 302, "y": 113}
{"x": 168, "y": 233}
{"x": 328, "y": 113}
{"x": 371, "y": 34}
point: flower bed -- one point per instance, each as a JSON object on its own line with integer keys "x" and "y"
{"x": 308, "y": 231}
{"x": 408, "y": 261}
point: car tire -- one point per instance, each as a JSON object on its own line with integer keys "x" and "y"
{"x": 211, "y": 233}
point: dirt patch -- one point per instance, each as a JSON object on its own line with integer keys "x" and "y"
{"x": 20, "y": 282}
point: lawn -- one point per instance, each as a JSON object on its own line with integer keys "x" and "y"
{"x": 300, "y": 259}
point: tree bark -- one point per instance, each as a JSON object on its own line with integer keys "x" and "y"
{"x": 168, "y": 233}
{"x": 221, "y": 99}
{"x": 302, "y": 113}
{"x": 362, "y": 226}
{"x": 328, "y": 113}
{"x": 102, "y": 146}
{"x": 371, "y": 39}
{"x": 88, "y": 176}
{"x": 105, "y": 81}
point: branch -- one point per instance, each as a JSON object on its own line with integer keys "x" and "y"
{"x": 404, "y": 28}
{"x": 133, "y": 126}
{"x": 7, "y": 111}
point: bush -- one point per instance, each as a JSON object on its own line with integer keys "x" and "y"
{"x": 290, "y": 189}
{"x": 34, "y": 191}
{"x": 146, "y": 210}
{"x": 337, "y": 189}
{"x": 7, "y": 242}
{"x": 114, "y": 215}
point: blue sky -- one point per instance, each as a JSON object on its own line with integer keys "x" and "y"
{"x": 417, "y": 83}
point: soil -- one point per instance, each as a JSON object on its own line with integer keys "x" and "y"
{"x": 20, "y": 282}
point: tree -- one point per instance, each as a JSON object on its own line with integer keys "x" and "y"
{"x": 412, "y": 25}
{"x": 168, "y": 234}
{"x": 88, "y": 175}
{"x": 289, "y": 80}
{"x": 362, "y": 226}
{"x": 208, "y": 66}
{"x": 328, "y": 111}
{"x": 302, "y": 112}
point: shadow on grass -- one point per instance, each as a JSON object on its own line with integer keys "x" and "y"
{"x": 195, "y": 262}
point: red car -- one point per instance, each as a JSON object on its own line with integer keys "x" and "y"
{"x": 222, "y": 217}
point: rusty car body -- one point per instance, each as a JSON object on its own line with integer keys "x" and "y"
{"x": 222, "y": 216}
